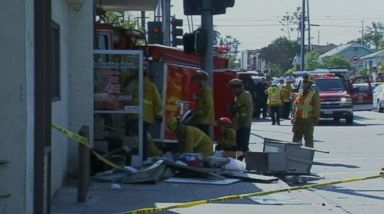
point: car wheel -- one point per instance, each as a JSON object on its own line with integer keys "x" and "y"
{"x": 349, "y": 120}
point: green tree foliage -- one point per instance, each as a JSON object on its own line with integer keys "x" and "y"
{"x": 336, "y": 62}
{"x": 374, "y": 36}
{"x": 279, "y": 54}
{"x": 312, "y": 60}
{"x": 290, "y": 22}
{"x": 364, "y": 72}
{"x": 120, "y": 19}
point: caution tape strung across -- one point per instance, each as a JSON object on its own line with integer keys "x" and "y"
{"x": 248, "y": 195}
{"x": 84, "y": 141}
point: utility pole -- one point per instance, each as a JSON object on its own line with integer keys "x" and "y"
{"x": 362, "y": 32}
{"x": 207, "y": 26}
{"x": 302, "y": 28}
{"x": 309, "y": 27}
{"x": 143, "y": 20}
{"x": 318, "y": 37}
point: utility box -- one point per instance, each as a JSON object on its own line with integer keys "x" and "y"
{"x": 266, "y": 162}
{"x": 298, "y": 159}
{"x": 281, "y": 157}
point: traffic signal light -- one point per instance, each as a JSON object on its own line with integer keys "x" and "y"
{"x": 177, "y": 31}
{"x": 189, "y": 42}
{"x": 195, "y": 42}
{"x": 195, "y": 7}
{"x": 192, "y": 7}
{"x": 155, "y": 33}
{"x": 220, "y": 6}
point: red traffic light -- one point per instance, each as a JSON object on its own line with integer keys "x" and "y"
{"x": 157, "y": 29}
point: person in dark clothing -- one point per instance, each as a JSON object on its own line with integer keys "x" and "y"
{"x": 261, "y": 99}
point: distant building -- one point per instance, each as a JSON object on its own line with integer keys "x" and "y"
{"x": 250, "y": 60}
{"x": 352, "y": 51}
{"x": 374, "y": 62}
{"x": 321, "y": 49}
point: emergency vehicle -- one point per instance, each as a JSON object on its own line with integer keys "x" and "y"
{"x": 335, "y": 100}
{"x": 172, "y": 71}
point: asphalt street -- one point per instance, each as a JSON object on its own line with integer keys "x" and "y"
{"x": 355, "y": 151}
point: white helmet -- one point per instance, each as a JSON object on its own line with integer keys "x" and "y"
{"x": 290, "y": 79}
{"x": 275, "y": 82}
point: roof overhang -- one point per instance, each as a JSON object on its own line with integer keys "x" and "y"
{"x": 126, "y": 5}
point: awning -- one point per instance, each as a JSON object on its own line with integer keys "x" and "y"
{"x": 126, "y": 5}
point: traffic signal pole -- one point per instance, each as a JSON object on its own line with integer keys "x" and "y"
{"x": 302, "y": 43}
{"x": 207, "y": 64}
{"x": 166, "y": 11}
{"x": 207, "y": 25}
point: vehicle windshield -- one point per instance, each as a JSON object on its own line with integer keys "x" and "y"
{"x": 329, "y": 85}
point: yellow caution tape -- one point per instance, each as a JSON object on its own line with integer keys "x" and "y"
{"x": 247, "y": 195}
{"x": 84, "y": 141}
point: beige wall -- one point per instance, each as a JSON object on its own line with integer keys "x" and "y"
{"x": 74, "y": 109}
{"x": 17, "y": 105}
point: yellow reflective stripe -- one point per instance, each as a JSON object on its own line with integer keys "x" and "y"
{"x": 147, "y": 102}
{"x": 307, "y": 104}
{"x": 199, "y": 139}
{"x": 304, "y": 107}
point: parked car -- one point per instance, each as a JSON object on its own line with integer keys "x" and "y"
{"x": 362, "y": 96}
{"x": 378, "y": 97}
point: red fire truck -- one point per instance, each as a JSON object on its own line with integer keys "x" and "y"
{"x": 171, "y": 70}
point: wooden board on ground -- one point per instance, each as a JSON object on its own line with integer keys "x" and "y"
{"x": 194, "y": 171}
{"x": 249, "y": 177}
{"x": 202, "y": 181}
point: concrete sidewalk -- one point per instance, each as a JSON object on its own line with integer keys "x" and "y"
{"x": 112, "y": 198}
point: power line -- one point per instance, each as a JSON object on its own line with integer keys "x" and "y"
{"x": 329, "y": 18}
{"x": 275, "y": 25}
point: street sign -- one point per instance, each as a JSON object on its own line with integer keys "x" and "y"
{"x": 355, "y": 59}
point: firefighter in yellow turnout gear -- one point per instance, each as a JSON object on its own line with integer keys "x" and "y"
{"x": 152, "y": 104}
{"x": 204, "y": 114}
{"x": 227, "y": 139}
{"x": 306, "y": 112}
{"x": 190, "y": 139}
{"x": 274, "y": 102}
{"x": 286, "y": 90}
{"x": 242, "y": 109}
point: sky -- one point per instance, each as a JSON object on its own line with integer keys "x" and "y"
{"x": 255, "y": 23}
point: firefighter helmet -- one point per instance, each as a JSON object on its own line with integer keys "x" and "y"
{"x": 235, "y": 82}
{"x": 200, "y": 74}
{"x": 173, "y": 123}
{"x": 225, "y": 121}
{"x": 308, "y": 78}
